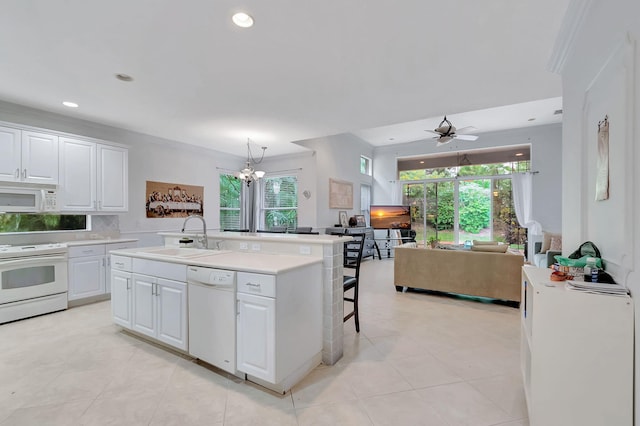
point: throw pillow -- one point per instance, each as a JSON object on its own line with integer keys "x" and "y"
{"x": 484, "y": 243}
{"x": 556, "y": 244}
{"x": 546, "y": 241}
{"x": 498, "y": 248}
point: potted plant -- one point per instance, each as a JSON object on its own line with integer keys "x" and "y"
{"x": 432, "y": 240}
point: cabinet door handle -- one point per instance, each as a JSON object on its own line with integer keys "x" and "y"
{"x": 24, "y": 174}
{"x": 128, "y": 284}
{"x": 18, "y": 173}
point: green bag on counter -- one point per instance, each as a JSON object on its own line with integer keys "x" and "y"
{"x": 577, "y": 263}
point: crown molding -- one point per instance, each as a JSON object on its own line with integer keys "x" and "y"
{"x": 571, "y": 24}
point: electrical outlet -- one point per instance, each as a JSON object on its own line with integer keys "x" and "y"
{"x": 255, "y": 247}
{"x": 305, "y": 250}
{"x": 244, "y": 246}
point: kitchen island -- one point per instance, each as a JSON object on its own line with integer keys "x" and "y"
{"x": 273, "y": 322}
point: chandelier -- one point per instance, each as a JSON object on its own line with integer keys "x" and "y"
{"x": 249, "y": 174}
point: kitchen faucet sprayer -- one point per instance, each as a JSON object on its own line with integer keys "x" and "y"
{"x": 204, "y": 241}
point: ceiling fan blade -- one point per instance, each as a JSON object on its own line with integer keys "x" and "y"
{"x": 466, "y": 137}
{"x": 442, "y": 143}
{"x": 432, "y": 132}
{"x": 466, "y": 129}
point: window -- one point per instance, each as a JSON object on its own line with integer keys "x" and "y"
{"x": 21, "y": 222}
{"x": 280, "y": 202}
{"x": 365, "y": 165}
{"x": 365, "y": 202}
{"x": 230, "y": 202}
{"x": 467, "y": 202}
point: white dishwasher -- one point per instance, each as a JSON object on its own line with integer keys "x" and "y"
{"x": 212, "y": 316}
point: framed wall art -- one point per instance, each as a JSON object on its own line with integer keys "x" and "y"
{"x": 340, "y": 194}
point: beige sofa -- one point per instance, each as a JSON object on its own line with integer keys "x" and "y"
{"x": 494, "y": 275}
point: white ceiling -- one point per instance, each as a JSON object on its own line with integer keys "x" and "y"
{"x": 307, "y": 69}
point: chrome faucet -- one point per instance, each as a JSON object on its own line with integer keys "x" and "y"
{"x": 204, "y": 240}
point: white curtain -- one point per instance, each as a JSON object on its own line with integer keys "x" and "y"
{"x": 522, "y": 188}
{"x": 396, "y": 192}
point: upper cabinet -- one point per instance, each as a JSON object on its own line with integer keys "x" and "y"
{"x": 93, "y": 176}
{"x": 28, "y": 156}
{"x": 113, "y": 178}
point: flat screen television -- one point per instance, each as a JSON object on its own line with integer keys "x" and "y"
{"x": 390, "y": 217}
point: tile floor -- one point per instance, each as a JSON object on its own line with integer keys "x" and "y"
{"x": 418, "y": 360}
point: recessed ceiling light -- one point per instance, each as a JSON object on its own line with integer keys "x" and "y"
{"x": 242, "y": 20}
{"x": 519, "y": 154}
{"x": 124, "y": 77}
{"x": 422, "y": 162}
{"x": 532, "y": 119}
{"x": 70, "y": 104}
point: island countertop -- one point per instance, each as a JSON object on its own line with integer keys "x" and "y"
{"x": 265, "y": 263}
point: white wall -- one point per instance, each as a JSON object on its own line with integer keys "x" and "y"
{"x": 337, "y": 157}
{"x": 598, "y": 59}
{"x": 546, "y": 158}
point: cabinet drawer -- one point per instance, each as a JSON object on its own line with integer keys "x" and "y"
{"x": 170, "y": 271}
{"x": 92, "y": 250}
{"x": 260, "y": 284}
{"x": 120, "y": 246}
{"x": 121, "y": 263}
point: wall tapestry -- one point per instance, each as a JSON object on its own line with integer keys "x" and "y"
{"x": 602, "y": 176}
{"x": 173, "y": 200}
{"x": 340, "y": 194}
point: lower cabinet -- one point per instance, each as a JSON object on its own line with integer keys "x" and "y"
{"x": 279, "y": 325}
{"x": 89, "y": 269}
{"x": 87, "y": 276}
{"x": 160, "y": 309}
{"x": 121, "y": 298}
{"x": 150, "y": 305}
{"x": 256, "y": 337}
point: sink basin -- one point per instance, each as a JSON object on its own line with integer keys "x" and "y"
{"x": 182, "y": 252}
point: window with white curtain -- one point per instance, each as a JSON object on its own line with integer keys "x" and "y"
{"x": 279, "y": 202}
{"x": 230, "y": 202}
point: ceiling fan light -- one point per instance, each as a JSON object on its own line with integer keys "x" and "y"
{"x": 259, "y": 174}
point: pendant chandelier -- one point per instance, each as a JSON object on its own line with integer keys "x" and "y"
{"x": 249, "y": 174}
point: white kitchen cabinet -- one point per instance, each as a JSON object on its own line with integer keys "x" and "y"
{"x": 121, "y": 298}
{"x": 28, "y": 156}
{"x": 86, "y": 277}
{"x": 10, "y": 154}
{"x": 93, "y": 176}
{"x": 89, "y": 269}
{"x": 279, "y": 325}
{"x": 113, "y": 178}
{"x": 78, "y": 174}
{"x": 160, "y": 309}
{"x": 576, "y": 354}
{"x": 256, "y": 336}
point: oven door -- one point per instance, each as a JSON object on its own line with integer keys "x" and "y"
{"x": 30, "y": 277}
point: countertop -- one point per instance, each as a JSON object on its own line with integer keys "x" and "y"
{"x": 263, "y": 263}
{"x": 265, "y": 236}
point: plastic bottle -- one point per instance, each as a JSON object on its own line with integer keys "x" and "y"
{"x": 591, "y": 270}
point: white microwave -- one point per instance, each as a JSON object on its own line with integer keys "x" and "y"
{"x": 28, "y": 200}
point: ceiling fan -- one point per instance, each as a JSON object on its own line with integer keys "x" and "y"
{"x": 447, "y": 132}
